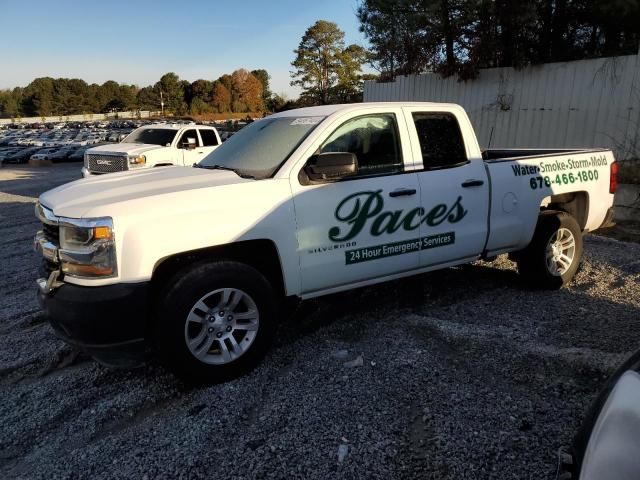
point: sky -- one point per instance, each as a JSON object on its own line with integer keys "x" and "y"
{"x": 136, "y": 41}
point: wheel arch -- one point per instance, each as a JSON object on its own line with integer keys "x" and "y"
{"x": 261, "y": 254}
{"x": 575, "y": 204}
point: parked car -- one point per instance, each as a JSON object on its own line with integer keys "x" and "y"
{"x": 8, "y": 152}
{"x": 153, "y": 146}
{"x": 62, "y": 153}
{"x": 301, "y": 204}
{"x": 43, "y": 154}
{"x": 22, "y": 155}
{"x": 78, "y": 154}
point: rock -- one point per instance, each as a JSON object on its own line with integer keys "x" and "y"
{"x": 340, "y": 354}
{"x": 343, "y": 451}
{"x": 255, "y": 443}
{"x": 357, "y": 362}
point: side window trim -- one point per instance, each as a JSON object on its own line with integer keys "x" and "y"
{"x": 444, "y": 167}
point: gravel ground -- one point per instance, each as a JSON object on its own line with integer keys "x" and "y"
{"x": 452, "y": 375}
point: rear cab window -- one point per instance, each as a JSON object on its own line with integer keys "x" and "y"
{"x": 441, "y": 141}
{"x": 209, "y": 138}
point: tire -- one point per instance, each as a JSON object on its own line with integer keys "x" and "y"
{"x": 224, "y": 343}
{"x": 536, "y": 262}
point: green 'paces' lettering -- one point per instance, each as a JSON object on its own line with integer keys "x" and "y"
{"x": 356, "y": 210}
{"x": 356, "y": 213}
{"x": 387, "y": 222}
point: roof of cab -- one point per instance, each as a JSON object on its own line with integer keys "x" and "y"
{"x": 326, "y": 110}
{"x": 175, "y": 126}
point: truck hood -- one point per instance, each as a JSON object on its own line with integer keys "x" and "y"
{"x": 128, "y": 148}
{"x": 99, "y": 195}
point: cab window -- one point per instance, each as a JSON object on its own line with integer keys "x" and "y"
{"x": 374, "y": 141}
{"x": 209, "y": 138}
{"x": 441, "y": 141}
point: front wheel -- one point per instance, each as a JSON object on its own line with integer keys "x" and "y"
{"x": 215, "y": 321}
{"x": 553, "y": 256}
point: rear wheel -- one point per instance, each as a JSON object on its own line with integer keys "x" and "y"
{"x": 553, "y": 256}
{"x": 215, "y": 321}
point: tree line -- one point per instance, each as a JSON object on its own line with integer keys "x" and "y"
{"x": 451, "y": 37}
{"x": 238, "y": 92}
{"x": 461, "y": 36}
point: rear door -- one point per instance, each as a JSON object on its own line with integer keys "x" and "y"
{"x": 209, "y": 141}
{"x": 454, "y": 187}
{"x": 357, "y": 229}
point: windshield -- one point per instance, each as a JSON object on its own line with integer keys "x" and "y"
{"x": 152, "y": 136}
{"x": 260, "y": 148}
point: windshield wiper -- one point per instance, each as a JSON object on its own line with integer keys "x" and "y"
{"x": 222, "y": 167}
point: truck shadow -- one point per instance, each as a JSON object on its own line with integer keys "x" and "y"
{"x": 434, "y": 289}
{"x": 481, "y": 296}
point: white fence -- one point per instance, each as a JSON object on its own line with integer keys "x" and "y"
{"x": 587, "y": 103}
{"x": 85, "y": 117}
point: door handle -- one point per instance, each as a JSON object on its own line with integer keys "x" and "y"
{"x": 402, "y": 192}
{"x": 472, "y": 183}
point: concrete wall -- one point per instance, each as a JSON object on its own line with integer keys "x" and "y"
{"x": 587, "y": 103}
{"x": 82, "y": 118}
{"x": 627, "y": 203}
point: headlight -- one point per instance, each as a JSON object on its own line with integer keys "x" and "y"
{"x": 87, "y": 248}
{"x": 137, "y": 161}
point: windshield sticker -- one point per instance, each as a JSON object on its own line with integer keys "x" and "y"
{"x": 307, "y": 121}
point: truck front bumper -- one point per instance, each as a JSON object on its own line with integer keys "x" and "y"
{"x": 107, "y": 322}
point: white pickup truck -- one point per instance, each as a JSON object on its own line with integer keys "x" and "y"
{"x": 153, "y": 146}
{"x": 196, "y": 261}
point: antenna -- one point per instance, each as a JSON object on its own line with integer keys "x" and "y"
{"x": 490, "y": 138}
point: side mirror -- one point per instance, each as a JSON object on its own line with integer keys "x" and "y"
{"x": 331, "y": 166}
{"x": 190, "y": 144}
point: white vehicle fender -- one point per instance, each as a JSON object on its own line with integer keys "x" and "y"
{"x": 208, "y": 218}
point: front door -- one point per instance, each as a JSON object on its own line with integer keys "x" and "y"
{"x": 454, "y": 189}
{"x": 190, "y": 154}
{"x": 357, "y": 228}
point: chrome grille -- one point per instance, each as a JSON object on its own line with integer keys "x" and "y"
{"x": 97, "y": 163}
{"x": 51, "y": 233}
{"x": 46, "y": 267}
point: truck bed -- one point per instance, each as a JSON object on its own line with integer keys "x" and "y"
{"x": 522, "y": 180}
{"x": 507, "y": 154}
